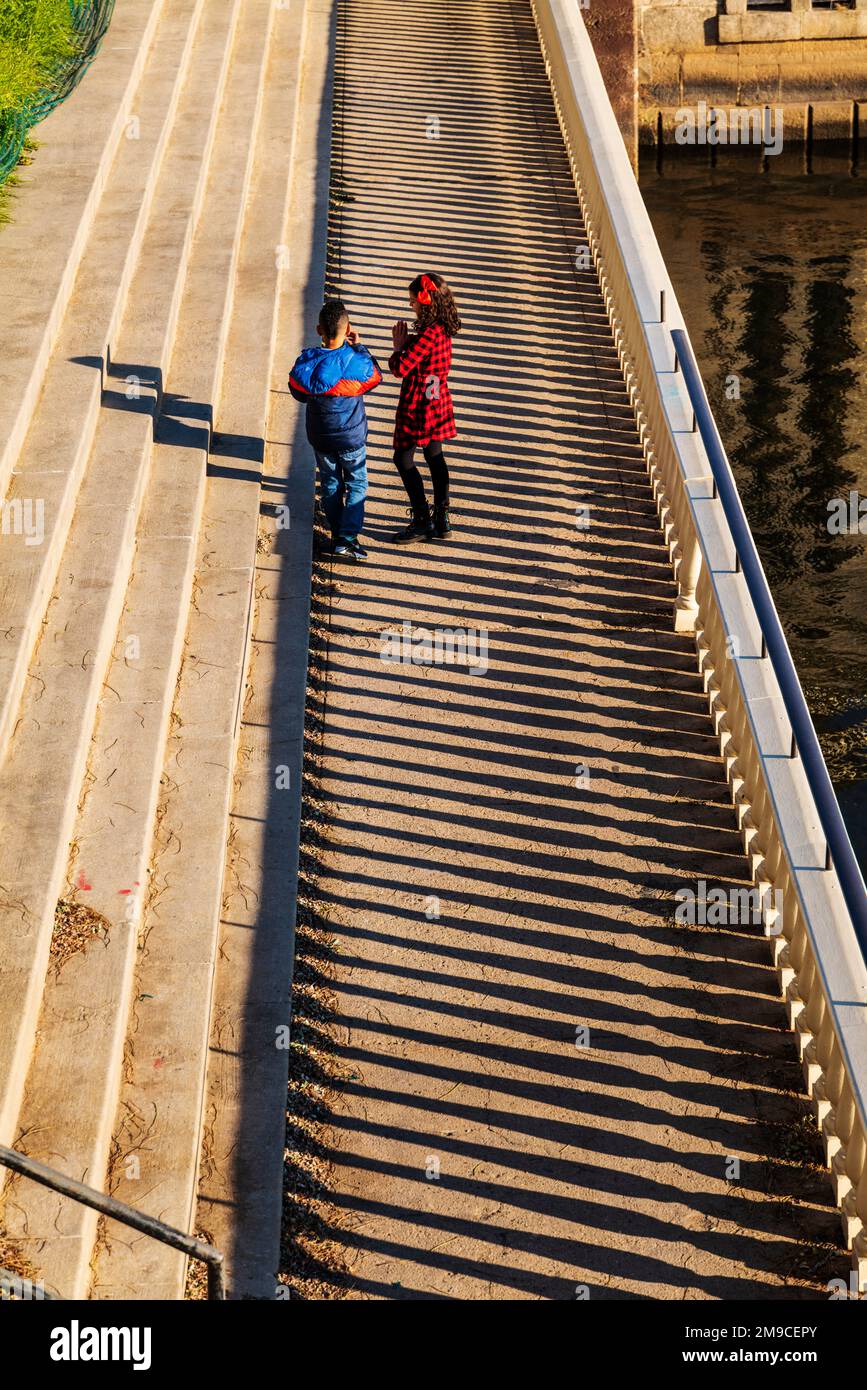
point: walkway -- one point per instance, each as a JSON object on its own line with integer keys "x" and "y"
{"x": 560, "y": 1166}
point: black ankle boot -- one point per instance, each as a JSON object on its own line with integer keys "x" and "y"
{"x": 419, "y": 528}
{"x": 441, "y": 525}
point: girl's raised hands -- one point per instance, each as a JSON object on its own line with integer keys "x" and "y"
{"x": 399, "y": 335}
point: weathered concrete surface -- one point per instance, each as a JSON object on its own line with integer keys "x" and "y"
{"x": 678, "y": 26}
{"x": 240, "y": 1195}
{"x": 823, "y": 127}
{"x": 487, "y": 907}
{"x": 55, "y": 210}
{"x": 54, "y": 454}
{"x": 59, "y": 703}
{"x": 68, "y": 1106}
{"x": 183, "y": 831}
{"x": 121, "y": 767}
{"x": 684, "y": 25}
{"x": 688, "y": 52}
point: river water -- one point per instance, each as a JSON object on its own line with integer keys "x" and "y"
{"x": 770, "y": 268}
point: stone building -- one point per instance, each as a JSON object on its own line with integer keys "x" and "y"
{"x": 807, "y": 56}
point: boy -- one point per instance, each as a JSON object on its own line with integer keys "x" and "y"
{"x": 332, "y": 380}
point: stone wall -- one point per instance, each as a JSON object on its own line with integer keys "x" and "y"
{"x": 722, "y": 52}
{"x": 676, "y": 26}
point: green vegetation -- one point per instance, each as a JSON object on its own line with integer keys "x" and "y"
{"x": 36, "y": 38}
{"x": 46, "y": 47}
{"x": 7, "y": 186}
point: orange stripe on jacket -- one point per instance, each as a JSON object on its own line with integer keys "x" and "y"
{"x": 354, "y": 388}
{"x": 341, "y": 388}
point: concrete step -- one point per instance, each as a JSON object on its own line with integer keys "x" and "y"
{"x": 77, "y": 146}
{"x": 72, "y": 1096}
{"x": 67, "y": 669}
{"x": 241, "y": 1185}
{"x": 48, "y": 471}
{"x": 162, "y": 1097}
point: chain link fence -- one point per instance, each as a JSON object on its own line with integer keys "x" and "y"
{"x": 90, "y": 21}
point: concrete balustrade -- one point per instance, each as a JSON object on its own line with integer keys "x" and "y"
{"x": 822, "y": 971}
{"x": 800, "y": 21}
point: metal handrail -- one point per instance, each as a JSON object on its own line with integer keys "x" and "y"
{"x": 817, "y": 930}
{"x": 119, "y": 1211}
{"x": 839, "y": 846}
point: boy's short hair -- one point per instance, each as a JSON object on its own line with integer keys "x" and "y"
{"x": 332, "y": 317}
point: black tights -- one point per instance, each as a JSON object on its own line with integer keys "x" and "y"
{"x": 404, "y": 462}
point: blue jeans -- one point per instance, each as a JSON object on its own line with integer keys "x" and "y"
{"x": 343, "y": 481}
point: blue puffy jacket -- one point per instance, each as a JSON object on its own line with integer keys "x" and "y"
{"x": 332, "y": 382}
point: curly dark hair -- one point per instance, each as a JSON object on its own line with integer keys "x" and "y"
{"x": 442, "y": 308}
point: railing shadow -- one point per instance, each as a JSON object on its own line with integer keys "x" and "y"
{"x": 554, "y": 909}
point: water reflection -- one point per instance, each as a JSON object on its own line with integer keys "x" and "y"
{"x": 771, "y": 273}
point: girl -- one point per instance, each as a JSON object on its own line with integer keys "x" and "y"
{"x": 424, "y": 412}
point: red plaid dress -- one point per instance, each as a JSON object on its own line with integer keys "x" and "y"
{"x": 424, "y": 411}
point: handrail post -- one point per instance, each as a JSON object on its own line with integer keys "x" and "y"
{"x": 688, "y": 571}
{"x": 106, "y": 1205}
{"x": 774, "y": 642}
{"x": 821, "y": 931}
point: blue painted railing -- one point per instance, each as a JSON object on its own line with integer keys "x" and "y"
{"x": 839, "y": 846}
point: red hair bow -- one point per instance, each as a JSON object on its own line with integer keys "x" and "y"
{"x": 427, "y": 289}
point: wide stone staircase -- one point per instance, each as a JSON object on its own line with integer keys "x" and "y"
{"x": 141, "y": 280}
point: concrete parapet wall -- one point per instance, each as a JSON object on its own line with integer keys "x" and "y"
{"x": 684, "y": 25}
{"x": 779, "y": 786}
{"x": 677, "y": 26}
{"x": 717, "y": 51}
{"x": 800, "y": 122}
{"x": 737, "y": 24}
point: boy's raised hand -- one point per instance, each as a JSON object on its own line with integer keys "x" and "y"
{"x": 399, "y": 335}
{"x": 353, "y": 337}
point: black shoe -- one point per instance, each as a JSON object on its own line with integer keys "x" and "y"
{"x": 441, "y": 525}
{"x": 420, "y": 528}
{"x": 349, "y": 549}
